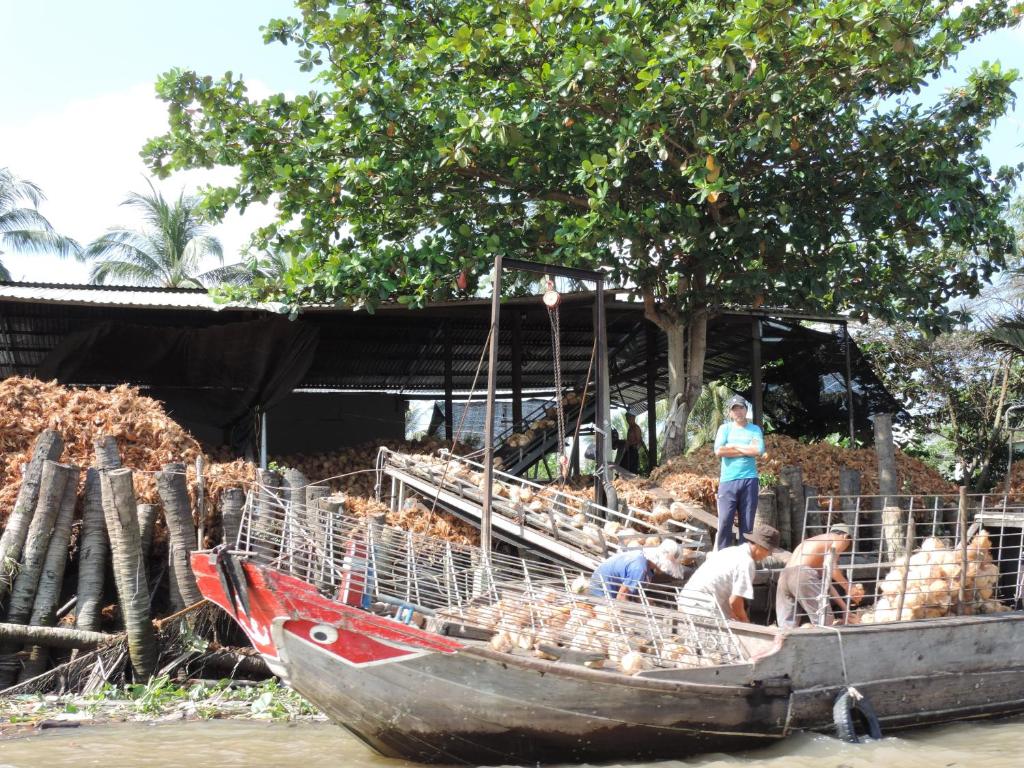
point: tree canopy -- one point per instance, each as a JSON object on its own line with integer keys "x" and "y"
{"x": 706, "y": 153}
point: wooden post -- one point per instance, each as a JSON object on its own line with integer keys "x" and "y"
{"x": 232, "y": 500}
{"x": 813, "y": 526}
{"x": 885, "y": 450}
{"x": 200, "y": 504}
{"x": 849, "y": 489}
{"x": 888, "y": 486}
{"x": 51, "y": 580}
{"x": 449, "y": 386}
{"x": 173, "y": 490}
{"x": 317, "y": 528}
{"x": 793, "y": 479}
{"x": 93, "y": 545}
{"x": 757, "y": 395}
{"x": 783, "y": 507}
{"x": 652, "y": 395}
{"x": 132, "y": 589}
{"x": 767, "y": 512}
{"x": 48, "y": 447}
{"x": 517, "y": 369}
{"x": 268, "y": 522}
{"x": 962, "y": 536}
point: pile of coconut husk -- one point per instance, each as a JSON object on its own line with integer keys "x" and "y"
{"x": 695, "y": 475}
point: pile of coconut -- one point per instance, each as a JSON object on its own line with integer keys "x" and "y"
{"x": 550, "y": 420}
{"x": 930, "y": 584}
{"x": 540, "y": 508}
{"x": 607, "y": 635}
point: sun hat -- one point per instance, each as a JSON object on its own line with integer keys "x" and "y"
{"x": 765, "y": 536}
{"x": 841, "y": 528}
{"x": 734, "y": 401}
{"x": 667, "y": 557}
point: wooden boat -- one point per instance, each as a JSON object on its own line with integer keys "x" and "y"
{"x": 376, "y": 628}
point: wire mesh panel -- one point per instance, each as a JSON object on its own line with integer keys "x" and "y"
{"x": 536, "y": 607}
{"x": 874, "y": 559}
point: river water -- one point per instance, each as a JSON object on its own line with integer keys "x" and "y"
{"x": 249, "y": 744}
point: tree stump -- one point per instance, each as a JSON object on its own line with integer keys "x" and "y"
{"x": 51, "y": 580}
{"x": 181, "y": 529}
{"x": 48, "y": 447}
{"x": 129, "y": 569}
{"x": 232, "y": 501}
{"x": 93, "y": 544}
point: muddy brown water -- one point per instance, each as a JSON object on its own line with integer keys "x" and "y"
{"x": 248, "y": 744}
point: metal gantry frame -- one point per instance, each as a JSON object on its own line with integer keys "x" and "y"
{"x": 600, "y": 384}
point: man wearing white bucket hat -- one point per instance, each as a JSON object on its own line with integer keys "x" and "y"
{"x": 619, "y": 575}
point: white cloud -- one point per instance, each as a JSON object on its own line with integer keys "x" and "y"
{"x": 85, "y": 158}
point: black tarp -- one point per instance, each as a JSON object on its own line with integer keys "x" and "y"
{"x": 215, "y": 375}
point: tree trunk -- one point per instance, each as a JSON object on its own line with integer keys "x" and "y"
{"x": 52, "y": 579}
{"x": 55, "y": 478}
{"x": 793, "y": 479}
{"x": 232, "y": 500}
{"x": 893, "y": 525}
{"x": 849, "y": 490}
{"x": 147, "y": 521}
{"x": 173, "y": 490}
{"x": 48, "y": 447}
{"x": 54, "y": 637}
{"x": 687, "y": 346}
{"x": 784, "y": 506}
{"x": 268, "y": 524}
{"x": 93, "y": 544}
{"x": 129, "y": 569}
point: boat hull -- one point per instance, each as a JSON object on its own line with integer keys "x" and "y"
{"x": 420, "y": 696}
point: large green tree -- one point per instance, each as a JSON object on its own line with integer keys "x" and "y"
{"x": 705, "y": 153}
{"x": 168, "y": 251}
{"x": 22, "y": 226}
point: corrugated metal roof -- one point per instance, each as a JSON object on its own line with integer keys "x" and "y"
{"x": 122, "y": 296}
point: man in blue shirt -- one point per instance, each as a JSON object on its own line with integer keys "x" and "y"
{"x": 738, "y": 443}
{"x": 619, "y": 575}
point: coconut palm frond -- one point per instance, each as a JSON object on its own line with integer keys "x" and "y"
{"x": 22, "y": 227}
{"x": 707, "y": 415}
{"x": 168, "y": 251}
{"x": 241, "y": 273}
{"x": 1006, "y": 334}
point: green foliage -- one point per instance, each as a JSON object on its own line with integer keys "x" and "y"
{"x": 22, "y": 227}
{"x": 705, "y": 152}
{"x": 955, "y": 393}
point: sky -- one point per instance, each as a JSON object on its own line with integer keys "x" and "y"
{"x": 78, "y": 102}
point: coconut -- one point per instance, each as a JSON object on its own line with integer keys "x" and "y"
{"x": 502, "y": 642}
{"x": 611, "y": 528}
{"x": 536, "y": 506}
{"x": 660, "y": 514}
{"x": 893, "y": 583}
{"x": 979, "y": 548}
{"x": 544, "y": 655}
{"x": 932, "y": 543}
{"x": 633, "y": 663}
{"x": 679, "y": 512}
{"x": 525, "y": 641}
{"x": 526, "y": 494}
{"x": 919, "y": 559}
{"x": 595, "y": 663}
{"x": 579, "y": 584}
{"x": 652, "y": 541}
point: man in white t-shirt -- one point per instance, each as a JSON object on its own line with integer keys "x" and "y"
{"x": 727, "y": 575}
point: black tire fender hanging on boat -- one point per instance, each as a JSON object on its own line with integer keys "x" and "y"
{"x": 851, "y": 709}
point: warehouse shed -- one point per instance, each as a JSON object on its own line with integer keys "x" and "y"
{"x": 334, "y": 377}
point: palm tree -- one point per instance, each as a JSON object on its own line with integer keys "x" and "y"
{"x": 22, "y": 227}
{"x": 708, "y": 415}
{"x": 270, "y": 267}
{"x": 167, "y": 252}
